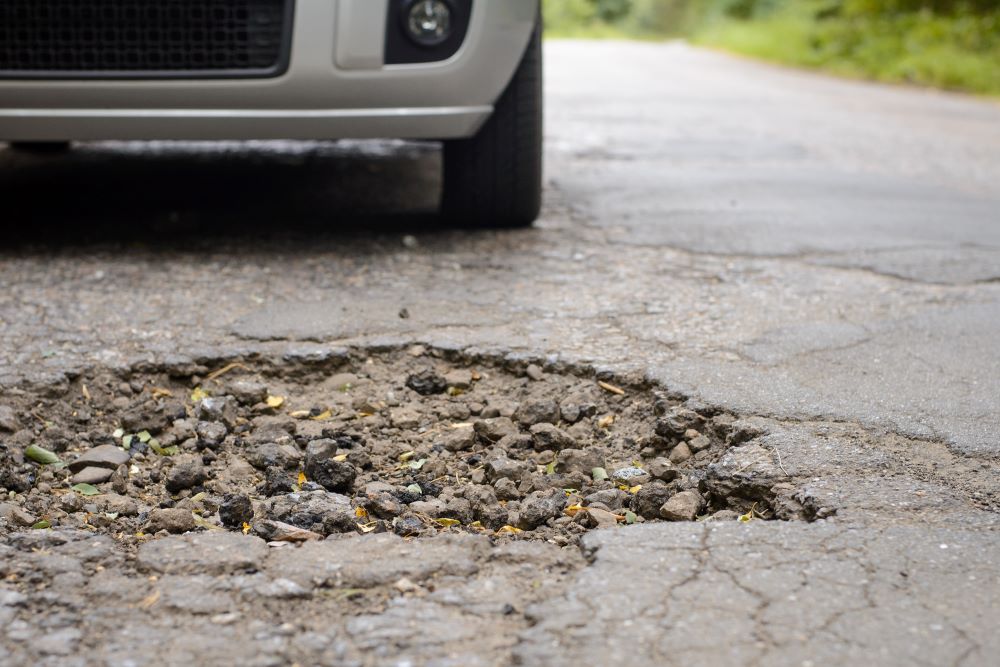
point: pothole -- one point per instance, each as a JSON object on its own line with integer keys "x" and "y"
{"x": 416, "y": 442}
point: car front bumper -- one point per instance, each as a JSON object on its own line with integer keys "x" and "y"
{"x": 336, "y": 86}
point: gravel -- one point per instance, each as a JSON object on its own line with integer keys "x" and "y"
{"x": 404, "y": 444}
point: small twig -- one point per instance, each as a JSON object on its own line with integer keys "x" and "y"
{"x": 780, "y": 464}
{"x": 214, "y": 375}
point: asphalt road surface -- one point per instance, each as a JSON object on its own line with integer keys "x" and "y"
{"x": 819, "y": 256}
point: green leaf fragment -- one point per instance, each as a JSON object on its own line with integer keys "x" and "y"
{"x": 41, "y": 455}
{"x": 118, "y": 434}
{"x": 415, "y": 488}
{"x": 42, "y": 525}
{"x": 127, "y": 442}
{"x": 86, "y": 489}
{"x": 599, "y": 474}
{"x": 417, "y": 465}
{"x": 144, "y": 436}
{"x": 630, "y": 518}
{"x": 550, "y": 469}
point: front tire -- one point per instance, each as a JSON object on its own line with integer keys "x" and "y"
{"x": 494, "y": 179}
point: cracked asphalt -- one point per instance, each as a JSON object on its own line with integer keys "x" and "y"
{"x": 821, "y": 257}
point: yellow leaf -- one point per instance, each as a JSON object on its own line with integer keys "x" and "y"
{"x": 361, "y": 513}
{"x": 275, "y": 401}
{"x": 406, "y": 456}
{"x": 301, "y": 414}
{"x": 246, "y": 528}
{"x": 340, "y": 458}
{"x": 198, "y": 394}
{"x": 448, "y": 523}
{"x": 510, "y": 530}
{"x": 455, "y": 391}
{"x": 323, "y": 416}
{"x": 160, "y": 392}
{"x": 368, "y": 527}
{"x": 573, "y": 510}
{"x": 611, "y": 388}
{"x": 302, "y": 478}
{"x": 478, "y": 525}
{"x": 635, "y": 489}
{"x": 606, "y": 422}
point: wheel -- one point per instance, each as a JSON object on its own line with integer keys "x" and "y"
{"x": 42, "y": 147}
{"x": 494, "y": 179}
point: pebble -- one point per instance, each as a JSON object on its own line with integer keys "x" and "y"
{"x": 547, "y": 436}
{"x": 92, "y": 475}
{"x": 319, "y": 511}
{"x": 427, "y": 383}
{"x": 535, "y": 373}
{"x": 680, "y": 454}
{"x": 650, "y": 498}
{"x": 630, "y": 476}
{"x": 539, "y": 507}
{"x": 104, "y": 456}
{"x": 171, "y": 520}
{"x": 277, "y": 531}
{"x": 601, "y": 518}
{"x": 495, "y": 429}
{"x": 613, "y": 499}
{"x": 8, "y": 419}
{"x": 187, "y": 472}
{"x": 506, "y": 489}
{"x": 460, "y": 379}
{"x": 676, "y": 422}
{"x": 248, "y": 392}
{"x": 458, "y": 439}
{"x": 579, "y": 460}
{"x": 724, "y": 515}
{"x": 270, "y": 454}
{"x": 404, "y": 418}
{"x": 336, "y": 476}
{"x": 530, "y": 413}
{"x": 235, "y": 510}
{"x": 503, "y": 467}
{"x": 210, "y": 434}
{"x": 663, "y": 470}
{"x": 699, "y": 443}
{"x": 682, "y": 507}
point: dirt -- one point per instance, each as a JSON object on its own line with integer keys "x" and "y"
{"x": 415, "y": 442}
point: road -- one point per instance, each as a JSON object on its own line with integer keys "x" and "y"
{"x": 820, "y": 257}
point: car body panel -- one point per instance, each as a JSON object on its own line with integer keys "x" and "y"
{"x": 335, "y": 87}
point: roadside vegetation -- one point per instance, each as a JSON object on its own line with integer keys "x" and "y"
{"x": 952, "y": 44}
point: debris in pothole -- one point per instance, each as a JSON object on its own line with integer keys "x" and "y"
{"x": 413, "y": 444}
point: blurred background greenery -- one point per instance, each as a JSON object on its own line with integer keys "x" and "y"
{"x": 952, "y": 44}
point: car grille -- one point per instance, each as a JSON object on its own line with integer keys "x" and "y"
{"x": 144, "y": 38}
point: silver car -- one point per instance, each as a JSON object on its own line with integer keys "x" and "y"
{"x": 467, "y": 72}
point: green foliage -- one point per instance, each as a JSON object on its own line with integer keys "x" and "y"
{"x": 945, "y": 43}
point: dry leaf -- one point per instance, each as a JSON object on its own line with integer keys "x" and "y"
{"x": 159, "y": 392}
{"x": 448, "y": 523}
{"x": 275, "y": 402}
{"x": 361, "y": 513}
{"x": 302, "y": 478}
{"x": 606, "y": 421}
{"x": 509, "y": 530}
{"x": 323, "y": 416}
{"x": 198, "y": 394}
{"x": 573, "y": 510}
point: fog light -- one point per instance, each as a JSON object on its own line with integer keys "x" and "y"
{"x": 428, "y": 22}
